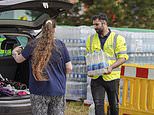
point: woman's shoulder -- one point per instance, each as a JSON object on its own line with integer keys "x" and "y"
{"x": 59, "y": 43}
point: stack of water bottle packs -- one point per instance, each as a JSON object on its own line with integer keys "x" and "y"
{"x": 97, "y": 63}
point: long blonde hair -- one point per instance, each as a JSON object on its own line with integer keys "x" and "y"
{"x": 42, "y": 51}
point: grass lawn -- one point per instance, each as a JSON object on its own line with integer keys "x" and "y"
{"x": 76, "y": 108}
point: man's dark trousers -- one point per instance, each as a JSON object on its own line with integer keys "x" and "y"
{"x": 98, "y": 88}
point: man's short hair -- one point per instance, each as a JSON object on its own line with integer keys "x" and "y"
{"x": 100, "y": 16}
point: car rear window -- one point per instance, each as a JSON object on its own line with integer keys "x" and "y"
{"x": 28, "y": 15}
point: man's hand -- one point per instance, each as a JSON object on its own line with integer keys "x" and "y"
{"x": 90, "y": 76}
{"x": 108, "y": 70}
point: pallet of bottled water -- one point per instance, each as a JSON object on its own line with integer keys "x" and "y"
{"x": 75, "y": 41}
{"x": 76, "y": 90}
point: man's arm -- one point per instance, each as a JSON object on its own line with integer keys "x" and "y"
{"x": 68, "y": 67}
{"x": 115, "y": 65}
{"x": 16, "y": 53}
{"x": 121, "y": 53}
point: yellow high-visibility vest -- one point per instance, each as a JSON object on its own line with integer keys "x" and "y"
{"x": 115, "y": 47}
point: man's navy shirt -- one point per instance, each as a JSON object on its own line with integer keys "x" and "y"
{"x": 55, "y": 69}
{"x": 104, "y": 38}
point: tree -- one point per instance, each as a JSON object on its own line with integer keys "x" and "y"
{"x": 121, "y": 13}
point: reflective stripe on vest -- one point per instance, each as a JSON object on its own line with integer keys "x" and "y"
{"x": 91, "y": 39}
{"x": 114, "y": 45}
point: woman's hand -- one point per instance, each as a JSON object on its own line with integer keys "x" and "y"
{"x": 16, "y": 53}
{"x": 17, "y": 50}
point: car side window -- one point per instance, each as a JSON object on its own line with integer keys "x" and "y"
{"x": 7, "y": 43}
{"x": 22, "y": 40}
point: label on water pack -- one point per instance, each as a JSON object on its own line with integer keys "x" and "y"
{"x": 89, "y": 68}
{"x": 102, "y": 65}
{"x": 95, "y": 66}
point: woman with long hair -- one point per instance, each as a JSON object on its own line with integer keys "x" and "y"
{"x": 49, "y": 63}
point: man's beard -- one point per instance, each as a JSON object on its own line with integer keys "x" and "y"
{"x": 99, "y": 31}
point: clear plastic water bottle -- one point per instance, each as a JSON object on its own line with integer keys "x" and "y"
{"x": 150, "y": 57}
{"x": 89, "y": 64}
{"x": 144, "y": 58}
{"x": 96, "y": 62}
{"x": 103, "y": 62}
{"x": 137, "y": 58}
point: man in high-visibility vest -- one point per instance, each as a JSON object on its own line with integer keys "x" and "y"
{"x": 114, "y": 46}
{"x": 4, "y": 52}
